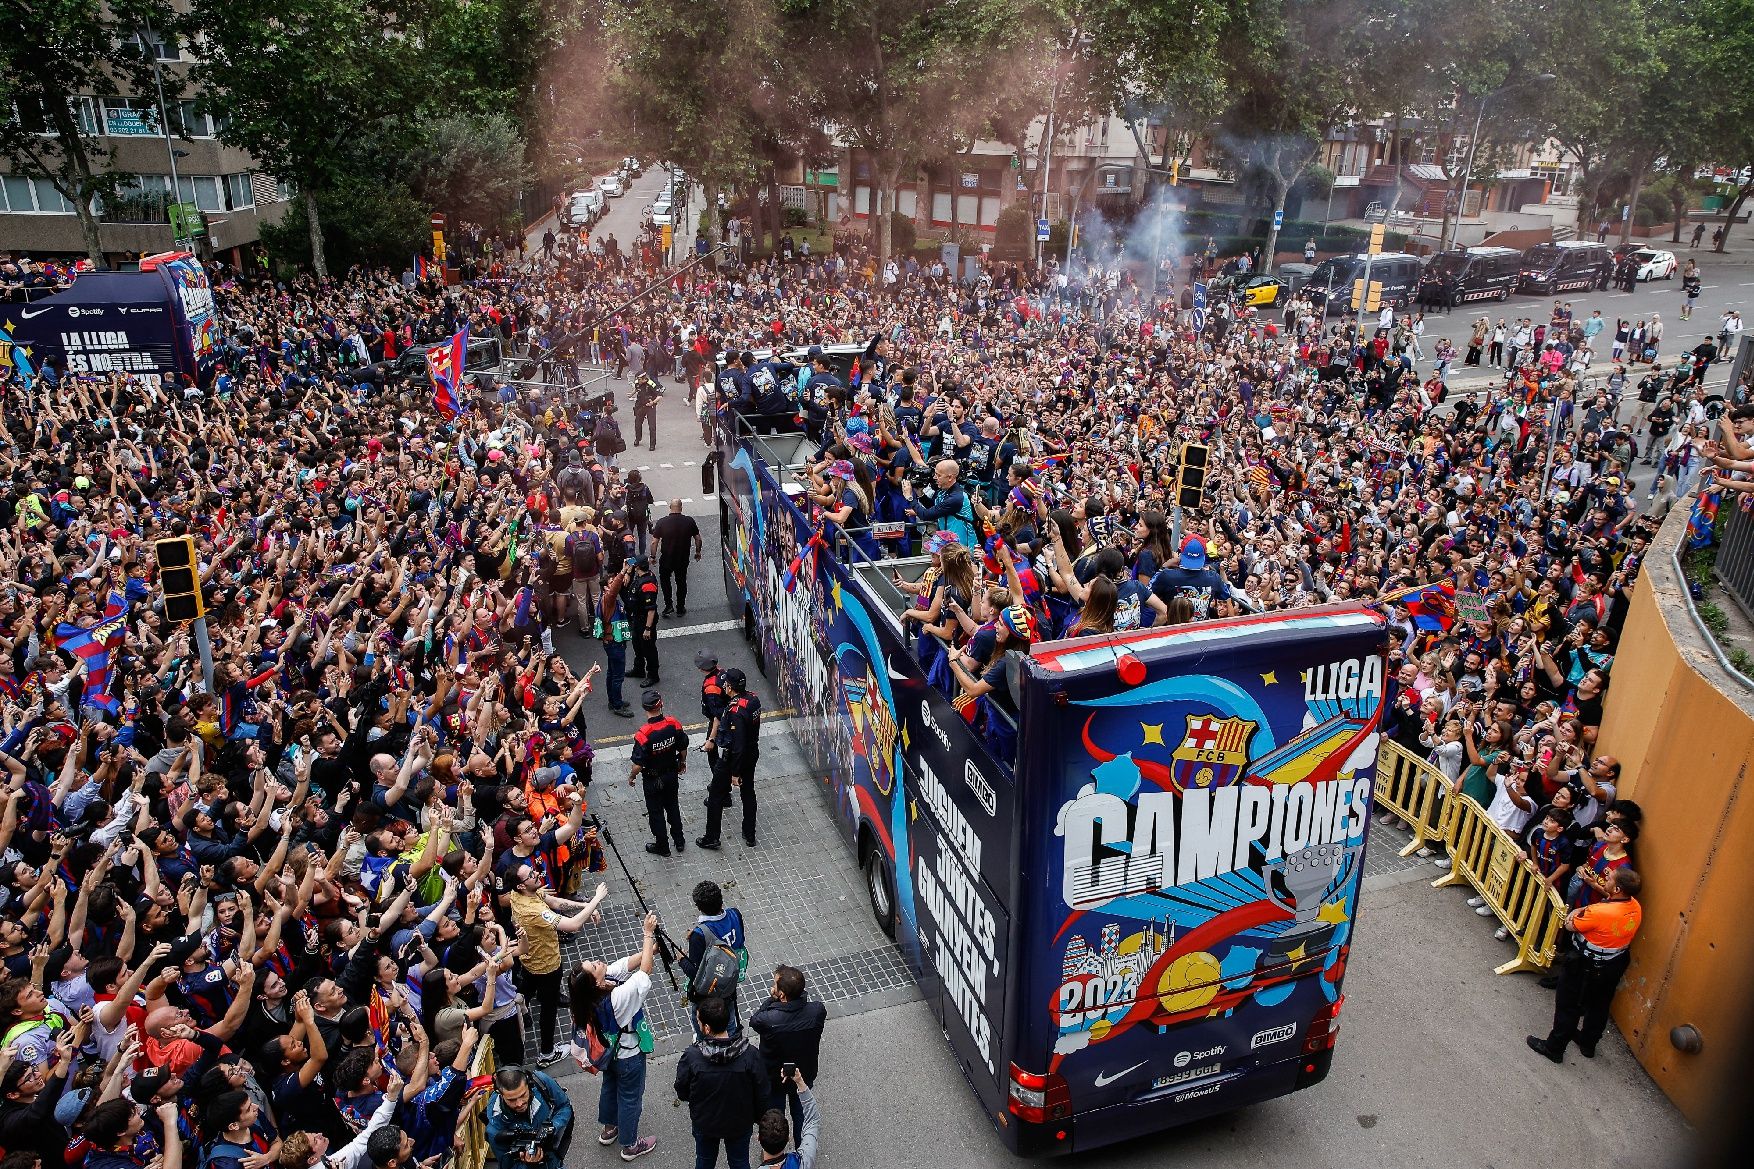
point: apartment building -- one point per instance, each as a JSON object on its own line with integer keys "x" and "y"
{"x": 226, "y": 200}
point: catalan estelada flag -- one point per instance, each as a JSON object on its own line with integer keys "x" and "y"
{"x": 444, "y": 364}
{"x": 96, "y": 645}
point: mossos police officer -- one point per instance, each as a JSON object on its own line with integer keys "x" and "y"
{"x": 713, "y": 700}
{"x": 660, "y": 756}
{"x": 736, "y": 740}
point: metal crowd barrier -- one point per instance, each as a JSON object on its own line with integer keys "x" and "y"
{"x": 1734, "y": 565}
{"x": 1482, "y": 855}
{"x": 1413, "y": 790}
{"x": 472, "y": 1150}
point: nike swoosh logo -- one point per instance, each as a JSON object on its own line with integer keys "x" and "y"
{"x": 1103, "y": 1079}
{"x": 27, "y": 314}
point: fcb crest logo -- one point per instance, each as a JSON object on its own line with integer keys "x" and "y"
{"x": 1212, "y": 753}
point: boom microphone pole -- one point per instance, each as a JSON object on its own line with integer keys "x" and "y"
{"x": 668, "y": 950}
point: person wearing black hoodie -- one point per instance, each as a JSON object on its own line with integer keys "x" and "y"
{"x": 725, "y": 1084}
{"x": 737, "y": 741}
{"x": 790, "y": 1026}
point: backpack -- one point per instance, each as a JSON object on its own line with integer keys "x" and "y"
{"x": 607, "y": 435}
{"x": 720, "y": 967}
{"x": 602, "y": 1040}
{"x": 223, "y": 1150}
{"x": 586, "y": 552}
{"x": 572, "y": 483}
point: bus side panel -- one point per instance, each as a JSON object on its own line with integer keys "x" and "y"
{"x": 906, "y": 776}
{"x": 738, "y": 523}
{"x": 1193, "y": 878}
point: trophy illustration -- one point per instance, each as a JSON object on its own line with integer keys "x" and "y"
{"x": 1306, "y": 877}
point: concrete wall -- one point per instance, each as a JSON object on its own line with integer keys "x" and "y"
{"x": 1683, "y": 728}
{"x": 1521, "y": 240}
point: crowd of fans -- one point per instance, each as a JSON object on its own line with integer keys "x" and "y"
{"x": 264, "y": 917}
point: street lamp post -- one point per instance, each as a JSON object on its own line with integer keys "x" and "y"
{"x": 1473, "y": 144}
{"x": 149, "y": 46}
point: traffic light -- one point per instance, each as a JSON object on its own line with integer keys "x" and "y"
{"x": 179, "y": 578}
{"x": 1370, "y": 302}
{"x": 1376, "y": 239}
{"x": 1190, "y": 478}
{"x": 1175, "y": 173}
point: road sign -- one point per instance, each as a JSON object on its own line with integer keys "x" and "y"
{"x": 1041, "y": 230}
{"x": 1199, "y": 296}
{"x": 1199, "y": 320}
{"x": 1278, "y": 220}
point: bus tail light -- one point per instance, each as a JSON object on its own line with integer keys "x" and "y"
{"x": 1038, "y": 1098}
{"x": 1324, "y": 1028}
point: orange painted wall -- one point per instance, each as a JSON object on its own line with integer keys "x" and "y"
{"x": 1683, "y": 730}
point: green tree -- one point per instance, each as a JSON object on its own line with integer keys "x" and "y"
{"x": 1289, "y": 71}
{"x": 53, "y": 53}
{"x": 469, "y": 165}
{"x": 317, "y": 90}
{"x": 905, "y": 82}
{"x": 692, "y": 83}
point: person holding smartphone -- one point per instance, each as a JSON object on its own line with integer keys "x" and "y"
{"x": 790, "y": 1026}
{"x": 770, "y": 1130}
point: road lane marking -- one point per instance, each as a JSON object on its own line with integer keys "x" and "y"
{"x": 778, "y": 719}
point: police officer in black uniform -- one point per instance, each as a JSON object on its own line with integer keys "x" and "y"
{"x": 642, "y": 616}
{"x": 738, "y": 730}
{"x": 660, "y": 756}
{"x": 713, "y": 700}
{"x": 646, "y": 393}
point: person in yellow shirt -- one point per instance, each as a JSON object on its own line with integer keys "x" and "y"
{"x": 1589, "y": 973}
{"x": 541, "y": 918}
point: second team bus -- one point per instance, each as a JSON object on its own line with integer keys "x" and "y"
{"x": 1148, "y": 919}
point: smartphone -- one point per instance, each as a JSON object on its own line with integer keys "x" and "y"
{"x": 788, "y": 1070}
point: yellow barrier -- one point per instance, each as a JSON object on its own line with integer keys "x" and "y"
{"x": 1412, "y": 789}
{"x": 472, "y": 1150}
{"x": 1487, "y": 857}
{"x": 1482, "y": 854}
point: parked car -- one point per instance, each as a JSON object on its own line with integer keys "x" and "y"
{"x": 1567, "y": 266}
{"x": 1330, "y": 285}
{"x": 1654, "y": 264}
{"x": 662, "y": 213}
{"x": 1261, "y": 291}
{"x": 630, "y": 165}
{"x": 578, "y": 211}
{"x": 1484, "y": 273}
{"x": 611, "y": 185}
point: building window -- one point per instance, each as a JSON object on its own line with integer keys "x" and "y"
{"x": 130, "y": 118}
{"x": 201, "y": 190}
{"x": 33, "y": 196}
{"x": 163, "y": 45}
{"x": 239, "y": 192}
{"x": 30, "y": 115}
{"x": 189, "y": 122}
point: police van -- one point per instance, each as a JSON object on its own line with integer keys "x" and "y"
{"x": 1566, "y": 266}
{"x": 1329, "y": 287}
{"x": 1454, "y": 278}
